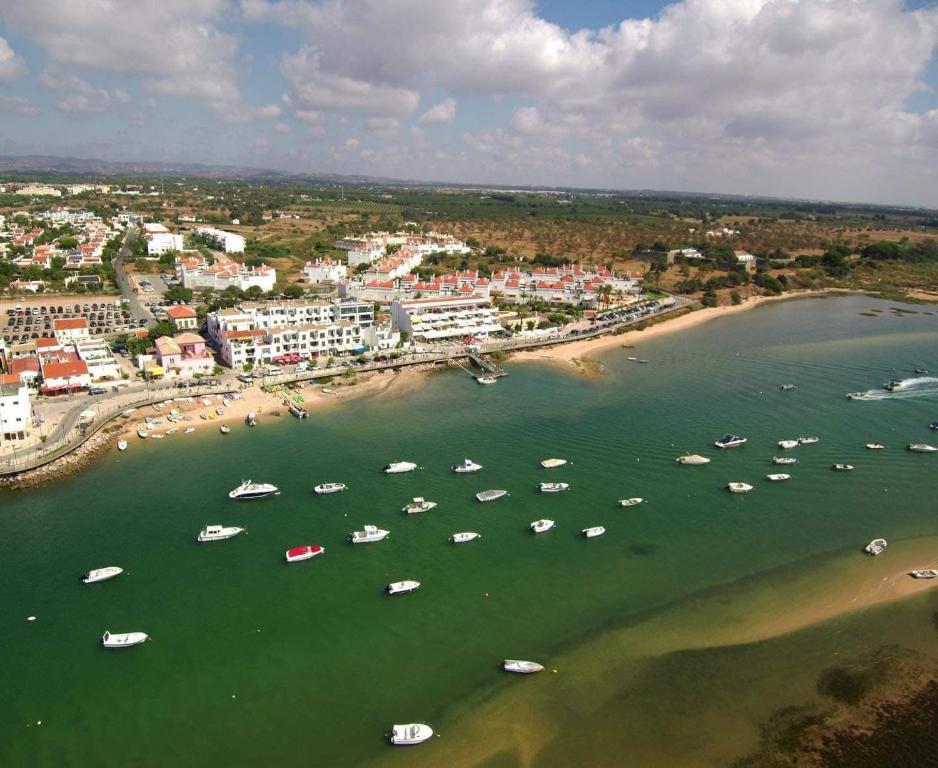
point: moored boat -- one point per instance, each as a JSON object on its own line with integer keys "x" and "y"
{"x": 122, "y": 445}
{"x": 491, "y": 495}
{"x": 408, "y": 734}
{"x": 251, "y": 419}
{"x": 933, "y": 425}
{"x": 730, "y": 441}
{"x": 398, "y": 467}
{"x": 369, "y": 534}
{"x": 324, "y": 488}
{"x": 417, "y": 505}
{"x": 778, "y": 477}
{"x": 631, "y": 502}
{"x": 143, "y": 432}
{"x": 249, "y": 490}
{"x": 842, "y": 467}
{"x": 188, "y": 430}
{"x": 788, "y": 443}
{"x": 787, "y": 387}
{"x": 876, "y": 547}
{"x": 541, "y": 526}
{"x": 738, "y": 487}
{"x": 304, "y": 552}
{"x": 463, "y": 536}
{"x": 693, "y": 459}
{"x": 101, "y": 574}
{"x": 400, "y": 587}
{"x": 218, "y": 533}
{"x": 123, "y": 639}
{"x": 594, "y": 531}
{"x": 875, "y": 446}
{"x": 224, "y": 429}
{"x": 927, "y": 573}
{"x": 522, "y": 667}
{"x": 809, "y": 440}
{"x": 466, "y": 466}
{"x": 921, "y": 448}
{"x": 553, "y": 487}
{"x": 784, "y": 460}
{"x": 551, "y": 463}
{"x": 486, "y": 380}
{"x": 298, "y": 410}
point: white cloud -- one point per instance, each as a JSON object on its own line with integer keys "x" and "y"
{"x": 282, "y": 128}
{"x": 444, "y": 112}
{"x": 79, "y": 97}
{"x": 19, "y": 106}
{"x": 382, "y": 126}
{"x": 11, "y": 65}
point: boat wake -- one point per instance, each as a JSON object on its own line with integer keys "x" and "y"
{"x": 906, "y": 389}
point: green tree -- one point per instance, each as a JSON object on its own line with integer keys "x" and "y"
{"x": 178, "y": 293}
{"x": 293, "y": 291}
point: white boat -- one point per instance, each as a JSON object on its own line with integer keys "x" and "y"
{"x": 324, "y": 488}
{"x": 172, "y": 431}
{"x": 730, "y": 441}
{"x": 397, "y": 467}
{"x": 218, "y": 533}
{"x": 419, "y": 504}
{"x": 809, "y": 440}
{"x": 842, "y": 467}
{"x": 633, "y": 359}
{"x": 122, "y": 445}
{"x": 466, "y": 466}
{"x": 738, "y": 487}
{"x": 921, "y": 448}
{"x": 592, "y": 533}
{"x": 249, "y": 490}
{"x": 928, "y": 573}
{"x": 400, "y": 587}
{"x": 541, "y": 526}
{"x": 788, "y": 443}
{"x": 188, "y": 430}
{"x": 410, "y": 733}
{"x": 553, "y": 487}
{"x": 251, "y": 419}
{"x": 786, "y": 387}
{"x": 156, "y": 437}
{"x": 876, "y": 547}
{"x": 522, "y": 667}
{"x": 777, "y": 478}
{"x": 299, "y": 411}
{"x": 102, "y": 574}
{"x": 693, "y": 459}
{"x": 371, "y": 533}
{"x": 224, "y": 429}
{"x": 486, "y": 380}
{"x": 631, "y": 502}
{"x": 784, "y": 460}
{"x": 491, "y": 495}
{"x": 875, "y": 446}
{"x": 123, "y": 640}
{"x": 464, "y": 536}
{"x": 551, "y": 463}
{"x": 143, "y": 432}
{"x": 307, "y": 551}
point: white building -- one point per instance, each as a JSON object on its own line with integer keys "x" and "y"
{"x": 15, "y": 412}
{"x": 97, "y": 356}
{"x": 70, "y": 329}
{"x": 446, "y": 319}
{"x": 193, "y": 271}
{"x": 229, "y": 242}
{"x": 324, "y": 271}
{"x": 163, "y": 242}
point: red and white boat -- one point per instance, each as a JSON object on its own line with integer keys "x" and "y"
{"x": 304, "y": 553}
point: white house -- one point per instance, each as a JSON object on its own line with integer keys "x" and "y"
{"x": 324, "y": 271}
{"x": 97, "y": 356}
{"x": 229, "y": 242}
{"x": 183, "y": 317}
{"x": 15, "y": 411}
{"x": 70, "y": 329}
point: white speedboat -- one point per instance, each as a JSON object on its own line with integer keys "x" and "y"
{"x": 928, "y": 573}
{"x": 224, "y": 429}
{"x": 842, "y": 467}
{"x": 143, "y": 433}
{"x": 122, "y": 445}
{"x": 553, "y": 487}
{"x": 788, "y": 443}
{"x": 324, "y": 488}
{"x": 921, "y": 448}
{"x": 491, "y": 495}
{"x": 786, "y": 387}
{"x": 123, "y": 640}
{"x": 693, "y": 459}
{"x": 409, "y": 734}
{"x": 592, "y": 533}
{"x": 251, "y": 419}
{"x": 249, "y": 490}
{"x": 218, "y": 533}
{"x": 784, "y": 460}
{"x": 486, "y": 380}
{"x": 419, "y": 504}
{"x": 466, "y": 466}
{"x": 809, "y": 440}
{"x": 398, "y": 467}
{"x": 777, "y": 478}
{"x": 464, "y": 536}
{"x": 933, "y": 425}
{"x": 631, "y": 502}
{"x": 188, "y": 430}
{"x": 738, "y": 487}
{"x": 551, "y": 463}
{"x": 156, "y": 437}
{"x": 541, "y": 526}
{"x": 102, "y": 574}
{"x": 306, "y": 552}
{"x": 522, "y": 667}
{"x": 875, "y": 446}
{"x": 730, "y": 441}
{"x": 876, "y": 547}
{"x": 369, "y": 534}
{"x": 400, "y": 587}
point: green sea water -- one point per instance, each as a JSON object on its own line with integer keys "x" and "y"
{"x": 254, "y": 662}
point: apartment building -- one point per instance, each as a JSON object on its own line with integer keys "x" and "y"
{"x": 446, "y": 319}
{"x": 229, "y": 242}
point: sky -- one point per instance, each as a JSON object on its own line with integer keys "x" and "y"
{"x": 822, "y": 99}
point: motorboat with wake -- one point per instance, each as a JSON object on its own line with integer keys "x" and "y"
{"x": 467, "y": 466}
{"x": 249, "y": 490}
{"x": 463, "y": 536}
{"x": 402, "y": 587}
{"x": 491, "y": 495}
{"x": 123, "y": 640}
{"x": 927, "y": 573}
{"x": 419, "y": 504}
{"x": 541, "y": 526}
{"x": 631, "y": 502}
{"x": 368, "y": 535}
{"x": 399, "y": 467}
{"x": 551, "y": 463}
{"x": 522, "y": 667}
{"x": 553, "y": 487}
{"x": 876, "y": 547}
{"x": 738, "y": 487}
{"x": 784, "y": 460}
{"x": 101, "y": 574}
{"x": 218, "y": 533}
{"x": 692, "y": 459}
{"x": 326, "y": 488}
{"x": 777, "y": 478}
{"x": 921, "y": 448}
{"x": 730, "y": 441}
{"x": 594, "y": 531}
{"x": 305, "y": 552}
{"x": 408, "y": 734}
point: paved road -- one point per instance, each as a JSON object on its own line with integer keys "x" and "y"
{"x": 136, "y": 307}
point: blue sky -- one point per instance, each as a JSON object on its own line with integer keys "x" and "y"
{"x": 777, "y": 97}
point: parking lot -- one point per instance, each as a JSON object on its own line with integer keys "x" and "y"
{"x": 32, "y": 320}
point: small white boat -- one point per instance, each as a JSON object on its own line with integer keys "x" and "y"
{"x": 875, "y": 446}
{"x": 400, "y": 587}
{"x": 143, "y": 432}
{"x": 324, "y": 488}
{"x": 730, "y": 441}
{"x": 224, "y": 429}
{"x": 551, "y": 463}
{"x": 122, "y": 445}
{"x": 464, "y": 536}
{"x": 251, "y": 419}
{"x": 788, "y": 443}
{"x": 921, "y": 448}
{"x": 633, "y": 359}
{"x": 522, "y": 667}
{"x": 541, "y": 526}
{"x": 486, "y": 380}
{"x": 631, "y": 502}
{"x": 693, "y": 459}
{"x": 123, "y": 640}
{"x": 466, "y": 466}
{"x": 738, "y": 487}
{"x": 218, "y": 533}
{"x": 156, "y": 437}
{"x": 809, "y": 440}
{"x": 491, "y": 495}
{"x": 305, "y": 552}
{"x": 553, "y": 487}
{"x": 842, "y": 467}
{"x": 928, "y": 573}
{"x": 409, "y": 734}
{"x": 784, "y": 460}
{"x": 249, "y": 490}
{"x": 398, "y": 467}
{"x": 219, "y": 411}
{"x": 102, "y": 574}
{"x": 418, "y": 504}
{"x": 369, "y": 534}
{"x": 876, "y": 547}
{"x": 592, "y": 533}
{"x": 172, "y": 431}
{"x": 787, "y": 387}
{"x": 778, "y": 478}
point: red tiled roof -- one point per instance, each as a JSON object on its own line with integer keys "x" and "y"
{"x": 181, "y": 313}
{"x": 46, "y": 343}
{"x": 243, "y": 334}
{"x": 63, "y": 370}
{"x": 19, "y": 365}
{"x": 69, "y": 323}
